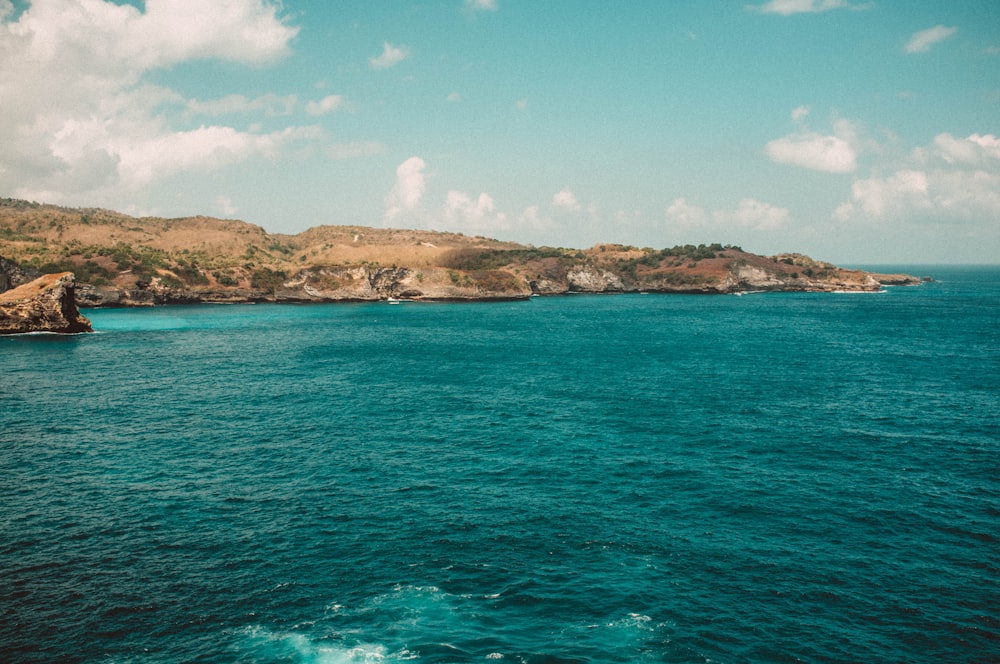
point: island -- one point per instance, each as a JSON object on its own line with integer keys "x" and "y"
{"x": 120, "y": 260}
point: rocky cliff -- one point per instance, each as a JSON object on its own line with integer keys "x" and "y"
{"x": 125, "y": 261}
{"x": 47, "y": 304}
{"x": 12, "y": 274}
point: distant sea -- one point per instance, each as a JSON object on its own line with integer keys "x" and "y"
{"x": 627, "y": 478}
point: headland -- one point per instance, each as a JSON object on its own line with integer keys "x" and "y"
{"x": 120, "y": 260}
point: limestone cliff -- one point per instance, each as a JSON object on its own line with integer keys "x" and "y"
{"x": 12, "y": 274}
{"x": 47, "y": 304}
{"x": 120, "y": 260}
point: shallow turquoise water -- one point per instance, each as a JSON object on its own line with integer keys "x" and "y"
{"x": 808, "y": 477}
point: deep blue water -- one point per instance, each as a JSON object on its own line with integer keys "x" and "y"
{"x": 772, "y": 478}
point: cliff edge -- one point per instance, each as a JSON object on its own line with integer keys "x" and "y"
{"x": 123, "y": 261}
{"x": 47, "y": 304}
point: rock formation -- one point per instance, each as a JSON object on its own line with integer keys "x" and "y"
{"x": 47, "y": 304}
{"x": 12, "y": 274}
{"x": 122, "y": 261}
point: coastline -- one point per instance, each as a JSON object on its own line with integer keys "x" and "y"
{"x": 123, "y": 261}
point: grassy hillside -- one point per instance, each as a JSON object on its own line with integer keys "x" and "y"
{"x": 197, "y": 258}
{"x": 108, "y": 248}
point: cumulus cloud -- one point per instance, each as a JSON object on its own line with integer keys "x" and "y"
{"x": 79, "y": 117}
{"x": 459, "y": 205}
{"x": 478, "y": 214}
{"x": 756, "y": 215}
{"x": 813, "y": 151}
{"x": 327, "y": 104}
{"x": 682, "y": 213}
{"x": 975, "y": 150}
{"x": 390, "y": 56}
{"x": 270, "y": 104}
{"x": 952, "y": 180}
{"x": 877, "y": 195}
{"x": 409, "y": 188}
{"x": 566, "y": 200}
{"x": 531, "y": 219}
{"x": 922, "y": 41}
{"x": 749, "y": 213}
{"x": 807, "y": 149}
{"x": 159, "y": 155}
{"x": 788, "y": 7}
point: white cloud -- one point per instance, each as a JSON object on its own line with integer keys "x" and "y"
{"x": 756, "y": 215}
{"x": 121, "y": 37}
{"x": 566, "y": 199}
{"x": 682, "y": 213}
{"x": 807, "y": 149}
{"x": 750, "y": 213}
{"x": 799, "y": 113}
{"x": 922, "y": 41}
{"x": 409, "y": 188}
{"x": 454, "y": 97}
{"x": 813, "y": 151}
{"x": 80, "y": 120}
{"x": 390, "y": 56}
{"x": 521, "y": 104}
{"x": 976, "y": 150}
{"x": 953, "y": 180}
{"x": 159, "y": 155}
{"x": 484, "y": 5}
{"x": 789, "y": 7}
{"x": 271, "y": 104}
{"x": 478, "y": 215}
{"x": 877, "y": 196}
{"x": 327, "y": 104}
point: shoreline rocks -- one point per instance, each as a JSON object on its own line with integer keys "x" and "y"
{"x": 47, "y": 304}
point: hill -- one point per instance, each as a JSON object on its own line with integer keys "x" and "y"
{"x": 121, "y": 260}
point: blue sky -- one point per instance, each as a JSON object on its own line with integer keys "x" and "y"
{"x": 857, "y": 132}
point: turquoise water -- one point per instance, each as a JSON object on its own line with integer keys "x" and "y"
{"x": 774, "y": 477}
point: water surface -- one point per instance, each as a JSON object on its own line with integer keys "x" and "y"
{"x": 774, "y": 477}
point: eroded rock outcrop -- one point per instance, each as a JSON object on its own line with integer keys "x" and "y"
{"x": 593, "y": 280}
{"x": 13, "y": 275}
{"x": 47, "y": 304}
{"x": 122, "y": 261}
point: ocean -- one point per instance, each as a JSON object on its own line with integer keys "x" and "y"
{"x": 620, "y": 478}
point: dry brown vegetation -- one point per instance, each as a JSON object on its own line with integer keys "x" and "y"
{"x": 109, "y": 249}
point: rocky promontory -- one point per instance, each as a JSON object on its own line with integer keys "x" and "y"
{"x": 47, "y": 304}
{"x": 121, "y": 260}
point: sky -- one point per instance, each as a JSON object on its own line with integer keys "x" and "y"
{"x": 853, "y": 131}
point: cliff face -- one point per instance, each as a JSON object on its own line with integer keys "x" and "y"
{"x": 12, "y": 274}
{"x": 124, "y": 261}
{"x": 730, "y": 271}
{"x": 47, "y": 304}
{"x": 321, "y": 284}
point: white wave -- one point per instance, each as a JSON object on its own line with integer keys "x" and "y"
{"x": 269, "y": 645}
{"x": 866, "y": 292}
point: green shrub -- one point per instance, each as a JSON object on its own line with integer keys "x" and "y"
{"x": 472, "y": 259}
{"x": 267, "y": 279}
